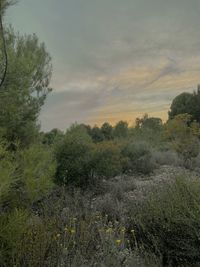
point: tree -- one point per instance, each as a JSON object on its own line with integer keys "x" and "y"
{"x": 96, "y": 134}
{"x": 149, "y": 122}
{"x": 181, "y": 104}
{"x": 107, "y": 131}
{"x": 52, "y": 137}
{"x": 4, "y": 4}
{"x": 121, "y": 129}
{"x": 186, "y": 103}
{"x": 25, "y": 88}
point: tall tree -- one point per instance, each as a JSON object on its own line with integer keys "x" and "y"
{"x": 107, "y": 131}
{"x": 121, "y": 129}
{"x": 186, "y": 103}
{"x": 25, "y": 88}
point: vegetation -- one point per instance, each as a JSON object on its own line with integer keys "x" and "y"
{"x": 167, "y": 223}
{"x": 87, "y": 196}
{"x": 186, "y": 103}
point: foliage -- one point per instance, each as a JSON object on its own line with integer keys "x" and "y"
{"x": 107, "y": 131}
{"x": 138, "y": 157}
{"x": 75, "y": 236}
{"x": 43, "y": 224}
{"x": 148, "y": 123}
{"x": 168, "y": 223}
{"x": 26, "y": 177}
{"x": 186, "y": 103}
{"x": 121, "y": 129}
{"x": 12, "y": 228}
{"x": 73, "y": 156}
{"x": 4, "y": 4}
{"x": 8, "y": 176}
{"x": 96, "y": 134}
{"x": 106, "y": 160}
{"x": 150, "y": 130}
{"x": 37, "y": 169}
{"x": 182, "y": 136}
{"x": 52, "y": 137}
{"x": 168, "y": 157}
{"x": 25, "y": 88}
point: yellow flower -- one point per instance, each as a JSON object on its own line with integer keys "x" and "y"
{"x": 118, "y": 241}
{"x": 72, "y": 231}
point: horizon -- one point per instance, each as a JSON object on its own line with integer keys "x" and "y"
{"x": 113, "y": 60}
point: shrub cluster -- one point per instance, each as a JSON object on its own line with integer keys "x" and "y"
{"x": 138, "y": 158}
{"x": 168, "y": 223}
{"x": 26, "y": 177}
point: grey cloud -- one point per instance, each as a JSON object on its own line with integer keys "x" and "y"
{"x": 90, "y": 39}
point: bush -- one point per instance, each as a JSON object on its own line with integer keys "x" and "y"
{"x": 168, "y": 223}
{"x": 106, "y": 160}
{"x": 73, "y": 156}
{"x": 168, "y": 157}
{"x": 138, "y": 157}
{"x": 37, "y": 168}
{"x": 182, "y": 137}
{"x": 12, "y": 228}
{"x": 7, "y": 172}
{"x": 26, "y": 177}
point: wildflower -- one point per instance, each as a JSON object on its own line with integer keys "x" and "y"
{"x": 58, "y": 235}
{"x": 132, "y": 231}
{"x": 118, "y": 241}
{"x": 72, "y": 231}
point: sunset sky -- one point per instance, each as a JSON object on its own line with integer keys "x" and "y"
{"x": 113, "y": 59}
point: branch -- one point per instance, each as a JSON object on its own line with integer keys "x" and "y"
{"x": 4, "y": 48}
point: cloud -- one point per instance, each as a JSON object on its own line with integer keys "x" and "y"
{"x": 114, "y": 59}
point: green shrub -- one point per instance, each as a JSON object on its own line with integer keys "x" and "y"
{"x": 182, "y": 136}
{"x": 74, "y": 157}
{"x": 168, "y": 157}
{"x": 168, "y": 223}
{"x": 138, "y": 158}
{"x": 37, "y": 168}
{"x": 26, "y": 177}
{"x": 106, "y": 160}
{"x": 12, "y": 228}
{"x": 7, "y": 172}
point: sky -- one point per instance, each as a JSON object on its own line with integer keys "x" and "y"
{"x": 113, "y": 59}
